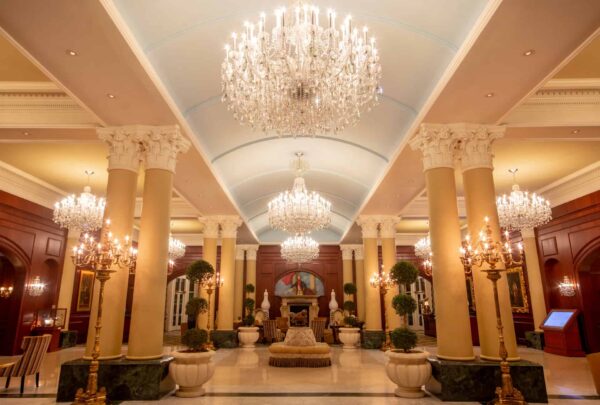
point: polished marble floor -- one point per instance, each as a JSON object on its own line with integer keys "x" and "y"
{"x": 356, "y": 377}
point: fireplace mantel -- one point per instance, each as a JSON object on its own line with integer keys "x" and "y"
{"x": 311, "y": 300}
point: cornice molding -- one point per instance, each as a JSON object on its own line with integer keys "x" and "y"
{"x": 28, "y": 187}
{"x": 573, "y": 186}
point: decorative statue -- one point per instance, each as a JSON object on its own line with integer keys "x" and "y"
{"x": 333, "y": 305}
{"x": 265, "y": 305}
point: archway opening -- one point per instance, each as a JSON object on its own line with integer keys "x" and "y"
{"x": 588, "y": 273}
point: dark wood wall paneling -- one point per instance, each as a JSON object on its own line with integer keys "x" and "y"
{"x": 570, "y": 245}
{"x": 270, "y": 266}
{"x": 35, "y": 246}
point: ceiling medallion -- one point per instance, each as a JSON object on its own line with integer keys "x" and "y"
{"x": 298, "y": 211}
{"x": 299, "y": 249}
{"x": 84, "y": 213}
{"x": 521, "y": 210}
{"x": 299, "y": 78}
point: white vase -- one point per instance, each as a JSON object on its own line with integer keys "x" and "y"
{"x": 333, "y": 305}
{"x": 265, "y": 305}
{"x": 248, "y": 335}
{"x": 191, "y": 371}
{"x": 409, "y": 371}
{"x": 349, "y": 337}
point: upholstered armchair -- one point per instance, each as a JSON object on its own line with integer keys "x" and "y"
{"x": 270, "y": 331}
{"x": 34, "y": 350}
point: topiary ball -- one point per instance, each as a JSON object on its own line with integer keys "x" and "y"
{"x": 350, "y": 321}
{"x": 403, "y": 339}
{"x": 249, "y": 320}
{"x": 199, "y": 271}
{"x": 404, "y": 272}
{"x": 195, "y": 339}
{"x": 349, "y": 306}
{"x": 249, "y": 304}
{"x": 196, "y": 306}
{"x": 349, "y": 288}
{"x": 404, "y": 304}
{"x": 249, "y": 288}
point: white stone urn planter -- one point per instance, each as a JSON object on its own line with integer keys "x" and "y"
{"x": 248, "y": 335}
{"x": 349, "y": 337}
{"x": 409, "y": 371}
{"x": 191, "y": 370}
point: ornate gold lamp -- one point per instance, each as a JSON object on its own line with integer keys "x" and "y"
{"x": 211, "y": 284}
{"x": 100, "y": 256}
{"x": 384, "y": 283}
{"x": 494, "y": 253}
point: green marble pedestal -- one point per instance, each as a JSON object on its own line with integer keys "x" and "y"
{"x": 125, "y": 380}
{"x": 477, "y": 380}
{"x": 224, "y": 339}
{"x": 372, "y": 339}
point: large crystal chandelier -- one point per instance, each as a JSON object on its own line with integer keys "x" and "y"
{"x": 176, "y": 248}
{"x": 297, "y": 211}
{"x": 298, "y": 77}
{"x": 423, "y": 252}
{"x": 521, "y": 210}
{"x": 299, "y": 249}
{"x": 83, "y": 213}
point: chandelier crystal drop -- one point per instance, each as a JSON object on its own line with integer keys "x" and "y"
{"x": 299, "y": 77}
{"x": 299, "y": 249}
{"x": 298, "y": 211}
{"x": 522, "y": 210}
{"x": 84, "y": 213}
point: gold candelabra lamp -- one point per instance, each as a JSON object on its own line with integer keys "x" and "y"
{"x": 383, "y": 281}
{"x": 101, "y": 257}
{"x": 490, "y": 253}
{"x": 6, "y": 292}
{"x": 211, "y": 284}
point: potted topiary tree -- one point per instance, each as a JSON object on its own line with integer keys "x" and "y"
{"x": 406, "y": 367}
{"x": 350, "y": 333}
{"x": 199, "y": 272}
{"x": 193, "y": 367}
{"x": 193, "y": 308}
{"x": 248, "y": 334}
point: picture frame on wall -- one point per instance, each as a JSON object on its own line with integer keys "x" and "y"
{"x": 517, "y": 289}
{"x": 85, "y": 291}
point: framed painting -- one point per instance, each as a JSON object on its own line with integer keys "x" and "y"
{"x": 517, "y": 289}
{"x": 85, "y": 291}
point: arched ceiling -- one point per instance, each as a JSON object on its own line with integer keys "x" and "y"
{"x": 184, "y": 44}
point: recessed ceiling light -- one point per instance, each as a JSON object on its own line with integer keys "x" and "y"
{"x": 489, "y": 95}
{"x": 529, "y": 52}
{"x": 71, "y": 52}
{"x": 110, "y": 95}
{"x": 25, "y": 133}
{"x": 575, "y": 131}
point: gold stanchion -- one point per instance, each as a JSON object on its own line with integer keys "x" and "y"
{"x": 211, "y": 285}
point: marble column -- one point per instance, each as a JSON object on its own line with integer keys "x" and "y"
{"x": 534, "y": 278}
{"x": 229, "y": 226}
{"x": 239, "y": 289}
{"x": 480, "y": 200}
{"x": 346, "y": 269}
{"x": 451, "y": 308}
{"x": 359, "y": 265}
{"x": 67, "y": 279}
{"x": 210, "y": 235}
{"x": 123, "y": 165}
{"x": 161, "y": 147}
{"x": 372, "y": 317}
{"x": 387, "y": 232}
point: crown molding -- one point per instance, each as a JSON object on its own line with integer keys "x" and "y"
{"x": 16, "y": 182}
{"x": 573, "y": 186}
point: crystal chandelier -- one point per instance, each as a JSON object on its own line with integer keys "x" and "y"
{"x": 36, "y": 287}
{"x": 298, "y": 77}
{"x": 423, "y": 252}
{"x": 299, "y": 249}
{"x": 521, "y": 210}
{"x": 176, "y": 248}
{"x": 566, "y": 287}
{"x": 84, "y": 213}
{"x": 297, "y": 211}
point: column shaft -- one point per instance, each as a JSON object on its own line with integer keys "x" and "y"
{"x": 149, "y": 294}
{"x": 534, "y": 276}
{"x": 67, "y": 279}
{"x": 372, "y": 305}
{"x": 226, "y": 292}
{"x": 451, "y": 307}
{"x": 360, "y": 286}
{"x": 120, "y": 208}
{"x": 388, "y": 254}
{"x": 238, "y": 292}
{"x": 480, "y": 199}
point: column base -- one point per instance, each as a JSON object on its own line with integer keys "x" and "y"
{"x": 535, "y": 339}
{"x": 125, "y": 380}
{"x": 477, "y": 380}
{"x": 372, "y": 339}
{"x": 224, "y": 339}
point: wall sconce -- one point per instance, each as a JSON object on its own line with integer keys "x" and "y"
{"x": 36, "y": 288}
{"x": 567, "y": 287}
{"x": 6, "y": 292}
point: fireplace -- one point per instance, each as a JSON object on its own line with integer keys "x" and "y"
{"x": 299, "y": 314}
{"x": 297, "y": 304}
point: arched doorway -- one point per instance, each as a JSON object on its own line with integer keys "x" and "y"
{"x": 178, "y": 294}
{"x": 13, "y": 273}
{"x": 588, "y": 272}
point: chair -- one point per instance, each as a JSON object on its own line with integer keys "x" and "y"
{"x": 34, "y": 349}
{"x": 318, "y": 328}
{"x": 282, "y": 323}
{"x": 271, "y": 333}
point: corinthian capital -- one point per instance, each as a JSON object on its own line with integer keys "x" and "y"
{"x": 387, "y": 226}
{"x": 437, "y": 144}
{"x": 162, "y": 144}
{"x": 125, "y": 150}
{"x": 229, "y": 225}
{"x": 368, "y": 224}
{"x": 346, "y": 252}
{"x": 211, "y": 227}
{"x": 475, "y": 149}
